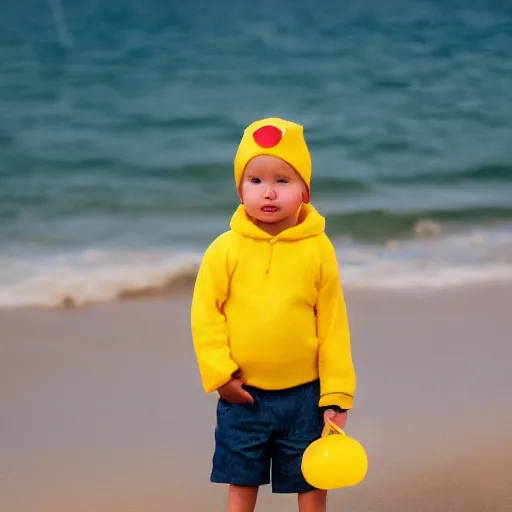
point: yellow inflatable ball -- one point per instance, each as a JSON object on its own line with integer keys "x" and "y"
{"x": 335, "y": 460}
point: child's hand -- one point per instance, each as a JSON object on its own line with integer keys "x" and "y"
{"x": 339, "y": 418}
{"x": 234, "y": 393}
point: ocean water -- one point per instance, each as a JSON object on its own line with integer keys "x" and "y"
{"x": 119, "y": 123}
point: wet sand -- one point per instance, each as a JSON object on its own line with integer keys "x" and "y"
{"x": 101, "y": 408}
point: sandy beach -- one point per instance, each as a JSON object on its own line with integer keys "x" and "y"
{"x": 102, "y": 408}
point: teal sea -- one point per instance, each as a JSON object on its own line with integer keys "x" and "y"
{"x": 119, "y": 122}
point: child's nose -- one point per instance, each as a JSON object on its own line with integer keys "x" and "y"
{"x": 270, "y": 193}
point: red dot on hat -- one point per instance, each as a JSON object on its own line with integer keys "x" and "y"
{"x": 267, "y": 136}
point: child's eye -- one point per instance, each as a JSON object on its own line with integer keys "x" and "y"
{"x": 255, "y": 180}
{"x": 282, "y": 180}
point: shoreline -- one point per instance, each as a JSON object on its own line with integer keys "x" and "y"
{"x": 156, "y": 295}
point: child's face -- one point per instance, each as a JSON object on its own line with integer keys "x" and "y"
{"x": 271, "y": 190}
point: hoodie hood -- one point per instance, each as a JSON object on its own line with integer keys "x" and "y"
{"x": 310, "y": 223}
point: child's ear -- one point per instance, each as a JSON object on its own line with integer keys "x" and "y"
{"x": 305, "y": 195}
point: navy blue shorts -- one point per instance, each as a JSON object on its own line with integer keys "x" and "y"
{"x": 250, "y": 439}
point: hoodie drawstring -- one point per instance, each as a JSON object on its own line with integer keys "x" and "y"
{"x": 271, "y": 242}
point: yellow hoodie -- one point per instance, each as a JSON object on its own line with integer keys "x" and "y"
{"x": 273, "y": 308}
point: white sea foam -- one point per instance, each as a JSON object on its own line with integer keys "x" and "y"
{"x": 100, "y": 276}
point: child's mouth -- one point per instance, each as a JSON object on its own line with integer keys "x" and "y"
{"x": 269, "y": 209}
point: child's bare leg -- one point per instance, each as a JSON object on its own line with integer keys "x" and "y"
{"x": 312, "y": 501}
{"x": 242, "y": 499}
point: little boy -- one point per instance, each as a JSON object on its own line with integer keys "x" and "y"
{"x": 269, "y": 323}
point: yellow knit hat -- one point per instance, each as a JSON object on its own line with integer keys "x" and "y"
{"x": 276, "y": 137}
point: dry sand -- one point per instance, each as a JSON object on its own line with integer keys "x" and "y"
{"x": 101, "y": 409}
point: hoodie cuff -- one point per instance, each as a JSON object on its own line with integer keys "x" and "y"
{"x": 221, "y": 380}
{"x": 340, "y": 399}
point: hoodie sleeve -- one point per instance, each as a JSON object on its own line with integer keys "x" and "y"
{"x": 336, "y": 369}
{"x": 208, "y": 323}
